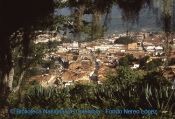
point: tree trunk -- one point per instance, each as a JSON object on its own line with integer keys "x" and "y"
{"x": 96, "y": 25}
{"x": 6, "y": 89}
{"x": 5, "y": 92}
{"x": 19, "y": 82}
{"x": 10, "y": 79}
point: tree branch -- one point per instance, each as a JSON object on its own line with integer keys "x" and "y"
{"x": 10, "y": 78}
{"x": 15, "y": 89}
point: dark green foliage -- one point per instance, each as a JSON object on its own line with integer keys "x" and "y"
{"x": 147, "y": 64}
{"x": 17, "y": 16}
{"x": 156, "y": 79}
{"x": 98, "y": 51}
{"x": 153, "y": 64}
{"x": 124, "y": 40}
{"x": 130, "y": 9}
{"x": 75, "y": 57}
{"x": 127, "y": 60}
{"x": 172, "y": 61}
{"x": 143, "y": 61}
{"x": 123, "y": 61}
{"x": 19, "y": 21}
{"x": 127, "y": 88}
{"x": 52, "y": 45}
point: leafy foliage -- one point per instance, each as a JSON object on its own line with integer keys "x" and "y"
{"x": 127, "y": 60}
{"x": 153, "y": 64}
{"x": 143, "y": 61}
{"x": 124, "y": 40}
{"x": 127, "y": 88}
{"x": 148, "y": 64}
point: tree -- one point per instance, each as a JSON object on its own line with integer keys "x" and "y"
{"x": 98, "y": 51}
{"x": 153, "y": 64}
{"x": 123, "y": 61}
{"x": 19, "y": 21}
{"x": 131, "y": 9}
{"x": 156, "y": 79}
{"x": 75, "y": 57}
{"x": 124, "y": 40}
{"x": 126, "y": 60}
{"x": 143, "y": 61}
{"x": 125, "y": 76}
{"x": 96, "y": 8}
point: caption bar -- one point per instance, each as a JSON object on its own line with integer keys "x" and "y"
{"x": 17, "y": 111}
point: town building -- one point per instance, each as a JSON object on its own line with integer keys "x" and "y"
{"x": 132, "y": 46}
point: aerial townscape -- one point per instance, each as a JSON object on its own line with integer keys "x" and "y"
{"x": 87, "y": 59}
{"x": 89, "y": 62}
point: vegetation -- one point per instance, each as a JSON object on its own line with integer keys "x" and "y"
{"x": 153, "y": 64}
{"x": 127, "y": 60}
{"x": 98, "y": 51}
{"x": 19, "y": 25}
{"x": 126, "y": 89}
{"x": 124, "y": 40}
{"x": 147, "y": 64}
{"x": 143, "y": 61}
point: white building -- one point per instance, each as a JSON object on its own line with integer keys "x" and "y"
{"x": 150, "y": 48}
{"x": 62, "y": 50}
{"x": 135, "y": 66}
{"x": 75, "y": 45}
{"x": 44, "y": 38}
{"x": 159, "y": 48}
{"x": 63, "y": 1}
{"x": 90, "y": 49}
{"x": 103, "y": 47}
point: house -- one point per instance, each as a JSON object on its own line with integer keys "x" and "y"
{"x": 135, "y": 66}
{"x": 83, "y": 52}
{"x": 112, "y": 40}
{"x": 113, "y": 49}
{"x": 83, "y": 45}
{"x": 132, "y": 46}
{"x": 63, "y": 1}
{"x": 139, "y": 37}
{"x": 122, "y": 35}
{"x": 150, "y": 48}
{"x": 100, "y": 83}
{"x": 66, "y": 45}
{"x": 122, "y": 50}
{"x": 62, "y": 50}
{"x": 69, "y": 83}
{"x": 159, "y": 50}
{"x": 85, "y": 64}
{"x": 74, "y": 47}
{"x": 90, "y": 48}
{"x": 121, "y": 46}
{"x": 102, "y": 47}
{"x": 44, "y": 38}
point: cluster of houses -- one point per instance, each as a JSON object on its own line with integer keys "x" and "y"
{"x": 102, "y": 53}
{"x": 153, "y": 44}
{"x": 150, "y": 46}
{"x": 67, "y": 47}
{"x": 46, "y": 37}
